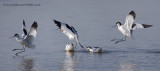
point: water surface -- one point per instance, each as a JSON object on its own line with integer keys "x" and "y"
{"x": 93, "y": 20}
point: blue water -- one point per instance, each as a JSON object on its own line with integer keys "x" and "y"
{"x": 93, "y": 20}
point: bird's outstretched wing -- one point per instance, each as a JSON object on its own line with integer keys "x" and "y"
{"x": 24, "y": 30}
{"x": 32, "y": 33}
{"x": 130, "y": 20}
{"x": 137, "y": 25}
{"x": 67, "y": 30}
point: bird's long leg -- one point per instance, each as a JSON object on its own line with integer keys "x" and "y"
{"x": 123, "y": 39}
{"x": 80, "y": 45}
{"x": 77, "y": 41}
{"x": 119, "y": 39}
{"x": 16, "y": 49}
{"x": 76, "y": 46}
{"x": 22, "y": 50}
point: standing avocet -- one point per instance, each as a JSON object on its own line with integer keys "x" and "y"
{"x": 68, "y": 31}
{"x": 129, "y": 26}
{"x": 27, "y": 38}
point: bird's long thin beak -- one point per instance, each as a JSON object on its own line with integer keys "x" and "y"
{"x": 12, "y": 37}
{"x": 57, "y": 29}
{"x": 114, "y": 26}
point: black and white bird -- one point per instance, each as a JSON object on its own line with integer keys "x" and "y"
{"x": 68, "y": 31}
{"x": 26, "y": 40}
{"x": 129, "y": 26}
{"x": 94, "y": 49}
{"x": 69, "y": 48}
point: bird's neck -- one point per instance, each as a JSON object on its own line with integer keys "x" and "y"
{"x": 118, "y": 25}
{"x": 18, "y": 38}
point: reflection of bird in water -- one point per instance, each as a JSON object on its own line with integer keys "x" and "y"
{"x": 94, "y": 49}
{"x": 25, "y": 64}
{"x": 69, "y": 62}
{"x": 27, "y": 38}
{"x": 129, "y": 66}
{"x": 69, "y": 48}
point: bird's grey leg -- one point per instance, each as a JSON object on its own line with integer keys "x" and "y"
{"x": 113, "y": 39}
{"x": 22, "y": 50}
{"x": 76, "y": 46}
{"x": 123, "y": 39}
{"x": 16, "y": 49}
{"x": 80, "y": 45}
{"x": 119, "y": 39}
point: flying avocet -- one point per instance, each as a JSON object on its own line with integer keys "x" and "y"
{"x": 27, "y": 38}
{"x": 68, "y": 31}
{"x": 129, "y": 26}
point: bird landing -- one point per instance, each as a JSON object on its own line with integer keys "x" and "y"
{"x": 26, "y": 40}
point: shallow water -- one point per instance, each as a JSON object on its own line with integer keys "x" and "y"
{"x": 93, "y": 21}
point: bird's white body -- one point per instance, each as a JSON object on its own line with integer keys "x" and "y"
{"x": 27, "y": 37}
{"x": 124, "y": 31}
{"x": 25, "y": 43}
{"x": 69, "y": 48}
{"x": 94, "y": 49}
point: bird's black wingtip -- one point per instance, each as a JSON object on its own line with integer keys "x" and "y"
{"x": 146, "y": 25}
{"x": 24, "y": 22}
{"x": 56, "y": 22}
{"x": 133, "y": 14}
{"x": 35, "y": 25}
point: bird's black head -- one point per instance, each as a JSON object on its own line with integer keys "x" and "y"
{"x": 15, "y": 35}
{"x": 89, "y": 47}
{"x": 118, "y": 23}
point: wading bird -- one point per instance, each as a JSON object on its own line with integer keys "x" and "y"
{"x": 129, "y": 26}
